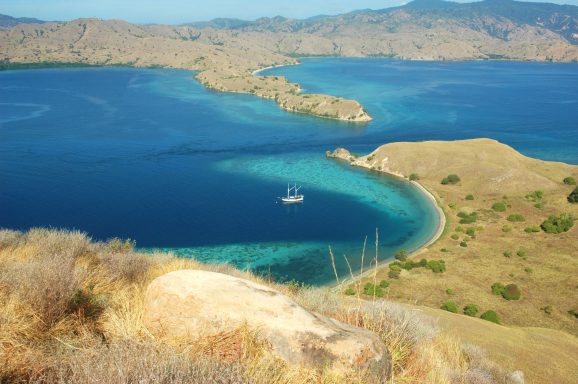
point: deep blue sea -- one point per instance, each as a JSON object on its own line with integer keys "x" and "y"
{"x": 153, "y": 156}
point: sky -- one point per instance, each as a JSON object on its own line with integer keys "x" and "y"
{"x": 182, "y": 11}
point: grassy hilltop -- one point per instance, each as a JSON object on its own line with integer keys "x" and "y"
{"x": 509, "y": 246}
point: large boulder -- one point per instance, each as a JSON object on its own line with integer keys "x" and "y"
{"x": 192, "y": 303}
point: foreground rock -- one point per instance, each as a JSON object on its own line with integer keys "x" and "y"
{"x": 200, "y": 303}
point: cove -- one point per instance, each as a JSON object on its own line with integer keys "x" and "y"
{"x": 153, "y": 156}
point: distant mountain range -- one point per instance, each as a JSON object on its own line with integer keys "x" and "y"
{"x": 489, "y": 16}
{"x": 9, "y": 21}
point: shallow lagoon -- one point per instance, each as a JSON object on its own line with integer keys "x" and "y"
{"x": 153, "y": 156}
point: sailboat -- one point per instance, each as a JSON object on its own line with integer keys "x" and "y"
{"x": 295, "y": 198}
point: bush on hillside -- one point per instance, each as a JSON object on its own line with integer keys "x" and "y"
{"x": 573, "y": 196}
{"x": 532, "y": 229}
{"x": 490, "y": 316}
{"x": 516, "y": 218}
{"x": 511, "y": 292}
{"x": 451, "y": 179}
{"x": 508, "y": 253}
{"x": 350, "y": 291}
{"x": 471, "y": 232}
{"x": 436, "y": 266}
{"x": 469, "y": 197}
{"x": 454, "y": 236}
{"x": 384, "y": 283}
{"x": 471, "y": 310}
{"x": 499, "y": 207}
{"x": 372, "y": 290}
{"x": 463, "y": 244}
{"x": 498, "y": 288}
{"x": 535, "y": 196}
{"x": 414, "y": 177}
{"x": 558, "y": 224}
{"x": 467, "y": 218}
{"x": 569, "y": 180}
{"x": 450, "y": 306}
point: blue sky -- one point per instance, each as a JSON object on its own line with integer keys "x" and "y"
{"x": 180, "y": 11}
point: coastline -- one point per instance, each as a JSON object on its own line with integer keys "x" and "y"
{"x": 256, "y": 71}
{"x": 441, "y": 224}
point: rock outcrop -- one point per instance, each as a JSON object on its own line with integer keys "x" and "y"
{"x": 193, "y": 303}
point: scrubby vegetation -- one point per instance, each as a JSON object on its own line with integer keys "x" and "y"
{"x": 72, "y": 313}
{"x": 499, "y": 206}
{"x": 467, "y": 218}
{"x": 573, "y": 196}
{"x": 450, "y": 306}
{"x": 490, "y": 316}
{"x": 511, "y": 292}
{"x": 516, "y": 218}
{"x": 569, "y": 180}
{"x": 558, "y": 224}
{"x": 471, "y": 310}
{"x": 451, "y": 179}
{"x": 470, "y": 197}
{"x": 414, "y": 177}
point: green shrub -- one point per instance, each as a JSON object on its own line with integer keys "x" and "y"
{"x": 444, "y": 250}
{"x": 401, "y": 255}
{"x": 437, "y": 266}
{"x": 350, "y": 291}
{"x": 452, "y": 205}
{"x": 499, "y": 207}
{"x": 569, "y": 180}
{"x": 506, "y": 228}
{"x": 558, "y": 224}
{"x": 372, "y": 290}
{"x": 471, "y": 232}
{"x": 469, "y": 197}
{"x": 463, "y": 244}
{"x": 528, "y": 269}
{"x": 490, "y": 316}
{"x": 539, "y": 205}
{"x": 511, "y": 292}
{"x": 532, "y": 229}
{"x": 455, "y": 236}
{"x": 451, "y": 179}
{"x": 508, "y": 253}
{"x": 535, "y": 196}
{"x": 395, "y": 266}
{"x": 471, "y": 310}
{"x": 414, "y": 177}
{"x": 459, "y": 229}
{"x": 516, "y": 218}
{"x": 573, "y": 196}
{"x": 573, "y": 312}
{"x": 521, "y": 253}
{"x": 467, "y": 218}
{"x": 450, "y": 291}
{"x": 450, "y": 306}
{"x": 498, "y": 288}
{"x": 384, "y": 283}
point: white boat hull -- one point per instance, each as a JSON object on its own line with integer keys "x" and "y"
{"x": 292, "y": 199}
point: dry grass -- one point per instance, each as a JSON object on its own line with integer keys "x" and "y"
{"x": 72, "y": 312}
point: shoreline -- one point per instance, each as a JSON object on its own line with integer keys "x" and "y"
{"x": 441, "y": 224}
{"x": 256, "y": 71}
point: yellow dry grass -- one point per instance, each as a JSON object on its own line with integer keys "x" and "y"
{"x": 90, "y": 329}
{"x": 546, "y": 269}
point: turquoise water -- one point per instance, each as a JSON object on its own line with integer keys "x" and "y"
{"x": 153, "y": 156}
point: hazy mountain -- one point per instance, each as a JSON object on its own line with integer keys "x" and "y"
{"x": 498, "y": 18}
{"x": 9, "y": 21}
